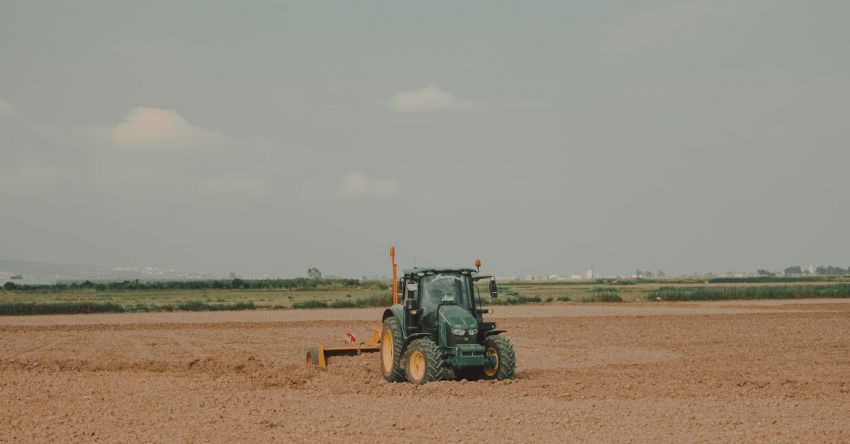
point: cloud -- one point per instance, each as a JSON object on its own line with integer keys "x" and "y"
{"x": 360, "y": 185}
{"x": 154, "y": 126}
{"x": 149, "y": 150}
{"x": 431, "y": 98}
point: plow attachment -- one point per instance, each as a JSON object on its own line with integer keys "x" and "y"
{"x": 317, "y": 357}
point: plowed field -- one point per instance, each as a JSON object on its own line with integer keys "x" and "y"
{"x": 742, "y": 371}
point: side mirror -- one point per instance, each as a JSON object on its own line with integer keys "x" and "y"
{"x": 494, "y": 291}
{"x": 410, "y": 304}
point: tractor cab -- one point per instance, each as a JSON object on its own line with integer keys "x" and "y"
{"x": 426, "y": 290}
{"x": 446, "y": 288}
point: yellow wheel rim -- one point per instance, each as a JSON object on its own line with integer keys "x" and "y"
{"x": 417, "y": 366}
{"x": 491, "y": 371}
{"x": 387, "y": 351}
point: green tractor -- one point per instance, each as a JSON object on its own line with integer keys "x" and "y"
{"x": 437, "y": 330}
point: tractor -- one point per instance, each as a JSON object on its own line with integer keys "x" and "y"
{"x": 438, "y": 331}
{"x": 435, "y": 331}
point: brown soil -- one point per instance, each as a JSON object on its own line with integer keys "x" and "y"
{"x": 731, "y": 371}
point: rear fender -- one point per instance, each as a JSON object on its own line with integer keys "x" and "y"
{"x": 410, "y": 338}
{"x": 397, "y": 311}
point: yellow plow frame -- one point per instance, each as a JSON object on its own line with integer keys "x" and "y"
{"x": 317, "y": 357}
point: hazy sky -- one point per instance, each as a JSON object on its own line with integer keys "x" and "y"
{"x": 545, "y": 137}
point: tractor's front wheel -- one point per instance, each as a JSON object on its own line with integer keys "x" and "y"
{"x": 391, "y": 344}
{"x": 501, "y": 351}
{"x": 423, "y": 362}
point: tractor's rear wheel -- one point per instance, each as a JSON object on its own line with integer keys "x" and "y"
{"x": 500, "y": 348}
{"x": 423, "y": 362}
{"x": 391, "y": 349}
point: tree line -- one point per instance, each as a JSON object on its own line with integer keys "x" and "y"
{"x": 822, "y": 270}
{"x": 204, "y": 284}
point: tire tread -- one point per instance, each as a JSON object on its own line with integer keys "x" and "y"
{"x": 397, "y": 373}
{"x": 507, "y": 356}
{"x": 435, "y": 369}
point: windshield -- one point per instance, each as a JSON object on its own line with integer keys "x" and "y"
{"x": 446, "y": 288}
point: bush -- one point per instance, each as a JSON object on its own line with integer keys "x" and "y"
{"x": 563, "y": 298}
{"x": 604, "y": 290}
{"x": 204, "y": 306}
{"x": 311, "y": 303}
{"x": 376, "y": 300}
{"x": 344, "y": 304}
{"x": 603, "y": 294}
{"x": 32, "y": 308}
{"x": 602, "y": 298}
{"x": 515, "y": 299}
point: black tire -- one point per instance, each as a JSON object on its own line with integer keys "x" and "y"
{"x": 505, "y": 367}
{"x": 313, "y": 357}
{"x": 422, "y": 362}
{"x": 392, "y": 371}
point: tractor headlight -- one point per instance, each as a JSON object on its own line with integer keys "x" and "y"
{"x": 458, "y": 331}
{"x": 473, "y": 331}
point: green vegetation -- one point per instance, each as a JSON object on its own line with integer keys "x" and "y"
{"x": 507, "y": 296}
{"x": 603, "y": 297}
{"x": 210, "y": 284}
{"x": 203, "y": 306}
{"x": 602, "y": 294}
{"x": 38, "y": 308}
{"x": 311, "y": 303}
{"x": 30, "y": 308}
{"x": 117, "y": 297}
{"x": 380, "y": 300}
{"x": 517, "y": 300}
{"x": 235, "y": 294}
{"x": 772, "y": 279}
{"x": 750, "y": 292}
{"x": 586, "y": 292}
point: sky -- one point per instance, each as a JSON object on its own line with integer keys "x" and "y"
{"x": 263, "y": 138}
